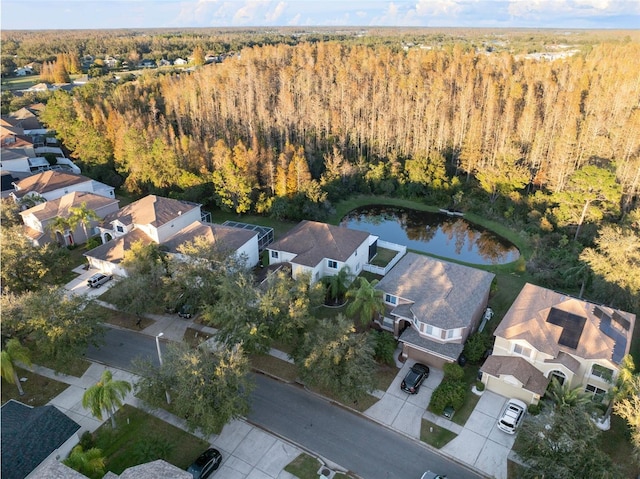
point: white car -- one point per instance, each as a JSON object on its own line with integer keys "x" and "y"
{"x": 432, "y": 475}
{"x": 512, "y": 416}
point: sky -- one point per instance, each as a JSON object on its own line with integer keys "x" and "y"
{"x": 99, "y": 14}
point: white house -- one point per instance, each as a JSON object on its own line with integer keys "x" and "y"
{"x": 320, "y": 250}
{"x": 52, "y": 185}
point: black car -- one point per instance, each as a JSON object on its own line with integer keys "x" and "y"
{"x": 414, "y": 378}
{"x": 206, "y": 463}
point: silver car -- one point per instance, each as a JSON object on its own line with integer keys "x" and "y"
{"x": 98, "y": 280}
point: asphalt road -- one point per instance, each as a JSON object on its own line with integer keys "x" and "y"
{"x": 364, "y": 447}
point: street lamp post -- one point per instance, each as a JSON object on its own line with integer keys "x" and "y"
{"x": 160, "y": 360}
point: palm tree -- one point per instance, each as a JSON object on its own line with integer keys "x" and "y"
{"x": 367, "y": 301}
{"x": 564, "y": 397}
{"x": 90, "y": 462}
{"x": 81, "y": 215}
{"x": 106, "y": 395}
{"x": 14, "y": 352}
{"x": 337, "y": 284}
{"x": 59, "y": 225}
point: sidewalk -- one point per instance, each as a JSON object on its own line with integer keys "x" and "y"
{"x": 247, "y": 451}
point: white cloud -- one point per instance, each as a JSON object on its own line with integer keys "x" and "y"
{"x": 438, "y": 7}
{"x": 276, "y": 13}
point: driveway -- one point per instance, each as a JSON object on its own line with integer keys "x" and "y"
{"x": 479, "y": 443}
{"x": 79, "y": 285}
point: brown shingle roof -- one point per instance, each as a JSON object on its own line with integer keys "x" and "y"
{"x": 527, "y": 319}
{"x": 151, "y": 210}
{"x": 311, "y": 242}
{"x": 113, "y": 251}
{"x": 48, "y": 181}
{"x": 61, "y": 206}
{"x": 219, "y": 236}
{"x": 532, "y": 379}
{"x": 443, "y": 294}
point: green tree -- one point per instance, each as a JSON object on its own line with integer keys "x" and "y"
{"x": 628, "y": 408}
{"x": 502, "y": 177}
{"x": 338, "y": 284}
{"x": 26, "y": 267}
{"x": 208, "y": 388}
{"x": 476, "y": 346}
{"x": 83, "y": 216}
{"x": 334, "y": 357}
{"x": 14, "y": 353}
{"x": 564, "y": 445}
{"x": 590, "y": 193}
{"x": 563, "y": 396}
{"x": 91, "y": 462}
{"x": 107, "y": 396}
{"x": 367, "y": 301}
{"x": 60, "y": 226}
{"x": 61, "y": 326}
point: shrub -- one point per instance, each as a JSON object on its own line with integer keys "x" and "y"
{"x": 384, "y": 347}
{"x": 448, "y": 393}
{"x": 453, "y": 371}
{"x": 475, "y": 347}
{"x": 93, "y": 242}
{"x": 86, "y": 441}
{"x": 534, "y": 409}
{"x": 479, "y": 386}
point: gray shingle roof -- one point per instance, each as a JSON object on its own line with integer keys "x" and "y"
{"x": 449, "y": 350}
{"x": 532, "y": 379}
{"x": 151, "y": 210}
{"x": 442, "y": 294}
{"x": 113, "y": 251}
{"x": 29, "y": 435}
{"x": 311, "y": 242}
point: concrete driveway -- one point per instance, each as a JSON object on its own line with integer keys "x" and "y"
{"x": 79, "y": 285}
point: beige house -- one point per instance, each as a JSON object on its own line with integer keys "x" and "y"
{"x": 547, "y": 334}
{"x": 432, "y": 306}
{"x": 38, "y": 218}
{"x": 320, "y": 250}
{"x": 51, "y": 185}
{"x": 168, "y": 222}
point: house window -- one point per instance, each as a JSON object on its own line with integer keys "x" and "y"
{"x": 559, "y": 376}
{"x": 429, "y": 330}
{"x": 605, "y": 374}
{"x": 119, "y": 229}
{"x": 596, "y": 393}
{"x": 390, "y": 299}
{"x": 274, "y": 254}
{"x": 522, "y": 350}
{"x": 332, "y": 264}
{"x": 450, "y": 333}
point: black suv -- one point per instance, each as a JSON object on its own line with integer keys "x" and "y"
{"x": 205, "y": 464}
{"x": 414, "y": 378}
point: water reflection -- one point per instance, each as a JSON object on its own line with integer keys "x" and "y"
{"x": 439, "y": 234}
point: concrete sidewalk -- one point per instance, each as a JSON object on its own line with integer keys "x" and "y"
{"x": 248, "y": 452}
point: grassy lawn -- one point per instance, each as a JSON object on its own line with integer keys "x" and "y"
{"x": 616, "y": 443}
{"x": 306, "y": 467}
{"x": 274, "y": 366}
{"x": 38, "y": 390}
{"x": 20, "y": 83}
{"x": 383, "y": 257}
{"x": 194, "y": 337}
{"x": 140, "y": 437}
{"x": 76, "y": 367}
{"x": 385, "y": 376}
{"x": 279, "y": 227}
{"x": 435, "y": 435}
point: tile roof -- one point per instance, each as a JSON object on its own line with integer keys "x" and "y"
{"x": 29, "y": 435}
{"x": 151, "y": 210}
{"x": 531, "y": 379}
{"x": 61, "y": 206}
{"x": 312, "y": 242}
{"x": 113, "y": 251}
{"x": 600, "y": 338}
{"x": 48, "y": 181}
{"x": 222, "y": 237}
{"x": 443, "y": 294}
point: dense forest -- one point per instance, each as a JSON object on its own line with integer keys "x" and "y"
{"x": 551, "y": 148}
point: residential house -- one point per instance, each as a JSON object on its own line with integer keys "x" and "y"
{"x": 38, "y": 218}
{"x": 548, "y": 334}
{"x": 33, "y": 435}
{"x": 51, "y": 185}
{"x": 147, "y": 63}
{"x": 111, "y": 62}
{"x": 432, "y": 306}
{"x": 158, "y": 469}
{"x": 180, "y": 61}
{"x": 164, "y": 221}
{"x": 320, "y": 250}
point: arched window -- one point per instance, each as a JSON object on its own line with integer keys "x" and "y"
{"x": 559, "y": 375}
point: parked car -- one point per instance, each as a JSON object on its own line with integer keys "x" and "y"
{"x": 414, "y": 378}
{"x": 205, "y": 464}
{"x": 185, "y": 311}
{"x": 512, "y": 416}
{"x": 432, "y": 475}
{"x": 98, "y": 280}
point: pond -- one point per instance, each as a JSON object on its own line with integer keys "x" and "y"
{"x": 434, "y": 233}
